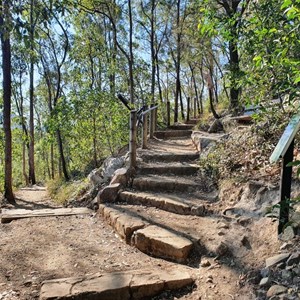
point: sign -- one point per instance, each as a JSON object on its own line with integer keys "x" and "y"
{"x": 286, "y": 139}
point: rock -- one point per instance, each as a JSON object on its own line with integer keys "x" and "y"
{"x": 205, "y": 263}
{"x": 293, "y": 259}
{"x": 95, "y": 178}
{"x": 223, "y": 225}
{"x": 110, "y": 165}
{"x": 199, "y": 210}
{"x": 253, "y": 276}
{"x": 162, "y": 243}
{"x": 203, "y": 140}
{"x": 121, "y": 176}
{"x": 288, "y": 234}
{"x": 209, "y": 280}
{"x": 274, "y": 260}
{"x": 94, "y": 204}
{"x": 216, "y": 126}
{"x": 297, "y": 270}
{"x": 264, "y": 281}
{"x": 276, "y": 290}
{"x": 265, "y": 272}
{"x": 244, "y": 221}
{"x": 222, "y": 249}
{"x": 138, "y": 284}
{"x": 109, "y": 193}
{"x": 124, "y": 224}
{"x": 296, "y": 281}
{"x": 285, "y": 246}
{"x": 286, "y": 275}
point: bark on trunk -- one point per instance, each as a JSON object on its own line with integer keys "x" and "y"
{"x": 32, "y": 179}
{"x": 62, "y": 156}
{"x": 6, "y": 68}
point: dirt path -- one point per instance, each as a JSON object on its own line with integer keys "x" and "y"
{"x": 36, "y": 249}
{"x": 33, "y": 250}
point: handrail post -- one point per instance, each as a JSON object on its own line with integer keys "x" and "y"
{"x": 152, "y": 120}
{"x": 132, "y": 137}
{"x": 188, "y": 109}
{"x": 155, "y": 118}
{"x": 168, "y": 113}
{"x": 145, "y": 130}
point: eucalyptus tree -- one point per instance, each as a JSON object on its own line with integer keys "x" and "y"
{"x": 155, "y": 22}
{"x": 223, "y": 20}
{"x": 53, "y": 49}
{"x": 5, "y": 32}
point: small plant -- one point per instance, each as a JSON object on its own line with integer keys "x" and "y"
{"x": 62, "y": 191}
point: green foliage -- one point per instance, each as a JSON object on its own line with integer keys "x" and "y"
{"x": 62, "y": 191}
{"x": 271, "y": 47}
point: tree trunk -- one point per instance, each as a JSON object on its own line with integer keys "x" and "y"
{"x": 26, "y": 179}
{"x": 52, "y": 161}
{"x": 62, "y": 156}
{"x": 131, "y": 62}
{"x": 32, "y": 179}
{"x": 158, "y": 82}
{"x": 95, "y": 142}
{"x": 178, "y": 52}
{"x": 234, "y": 67}
{"x": 6, "y": 68}
{"x": 211, "y": 102}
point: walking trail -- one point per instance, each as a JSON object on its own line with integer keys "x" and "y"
{"x": 164, "y": 238}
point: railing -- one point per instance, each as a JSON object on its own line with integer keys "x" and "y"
{"x": 147, "y": 117}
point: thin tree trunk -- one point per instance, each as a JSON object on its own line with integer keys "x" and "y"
{"x": 178, "y": 52}
{"x": 158, "y": 83}
{"x": 62, "y": 156}
{"x": 95, "y": 142}
{"x": 211, "y": 102}
{"x": 181, "y": 103}
{"x": 234, "y": 66}
{"x": 131, "y": 62}
{"x": 32, "y": 179}
{"x": 6, "y": 68}
{"x": 26, "y": 179}
{"x": 52, "y": 161}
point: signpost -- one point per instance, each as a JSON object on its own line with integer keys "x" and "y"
{"x": 284, "y": 150}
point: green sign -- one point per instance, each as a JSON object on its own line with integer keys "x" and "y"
{"x": 286, "y": 139}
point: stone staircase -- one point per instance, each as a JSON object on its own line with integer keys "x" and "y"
{"x": 166, "y": 179}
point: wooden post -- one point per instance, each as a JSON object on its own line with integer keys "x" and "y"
{"x": 152, "y": 120}
{"x": 285, "y": 187}
{"x": 188, "y": 109}
{"x": 168, "y": 113}
{"x": 132, "y": 137}
{"x": 155, "y": 118}
{"x": 195, "y": 107}
{"x": 145, "y": 130}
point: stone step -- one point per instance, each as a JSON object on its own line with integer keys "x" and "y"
{"x": 162, "y": 243}
{"x": 168, "y": 169}
{"x": 166, "y": 134}
{"x": 180, "y": 126}
{"x": 124, "y": 224}
{"x": 172, "y": 203}
{"x": 167, "y": 184}
{"x": 155, "y": 241}
{"x": 193, "y": 121}
{"x": 169, "y": 157}
{"x": 124, "y": 285}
